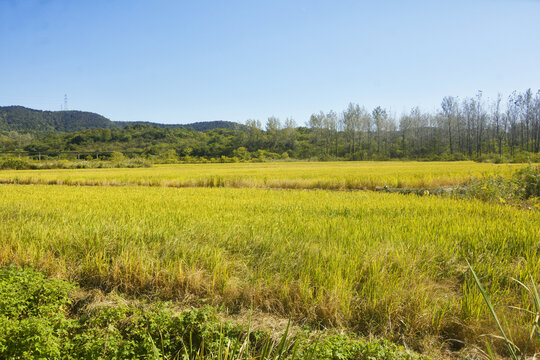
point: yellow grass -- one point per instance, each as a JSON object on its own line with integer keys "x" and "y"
{"x": 386, "y": 264}
{"x": 294, "y": 175}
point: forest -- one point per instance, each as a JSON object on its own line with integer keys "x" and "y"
{"x": 504, "y": 129}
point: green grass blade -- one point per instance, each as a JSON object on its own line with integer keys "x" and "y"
{"x": 509, "y": 344}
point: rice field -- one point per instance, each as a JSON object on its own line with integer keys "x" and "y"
{"x": 389, "y": 265}
{"x": 282, "y": 175}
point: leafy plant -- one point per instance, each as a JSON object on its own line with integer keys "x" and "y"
{"x": 37, "y": 322}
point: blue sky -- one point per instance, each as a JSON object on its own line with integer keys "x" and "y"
{"x": 187, "y": 61}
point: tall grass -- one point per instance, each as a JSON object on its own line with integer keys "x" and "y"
{"x": 513, "y": 351}
{"x": 375, "y": 263}
{"x": 297, "y": 175}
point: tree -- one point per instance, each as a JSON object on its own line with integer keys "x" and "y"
{"x": 254, "y": 134}
{"x": 449, "y": 110}
{"x": 273, "y": 125}
{"x": 351, "y": 119}
{"x": 380, "y": 116}
{"x": 496, "y": 116}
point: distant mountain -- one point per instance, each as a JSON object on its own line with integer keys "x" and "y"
{"x": 197, "y": 126}
{"x": 210, "y": 125}
{"x": 20, "y": 118}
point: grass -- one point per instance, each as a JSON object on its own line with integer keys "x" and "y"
{"x": 514, "y": 352}
{"x": 292, "y": 175}
{"x": 373, "y": 263}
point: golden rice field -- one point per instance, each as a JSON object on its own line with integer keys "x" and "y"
{"x": 390, "y": 265}
{"x": 283, "y": 175}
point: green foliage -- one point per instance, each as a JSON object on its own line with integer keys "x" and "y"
{"x": 230, "y": 144}
{"x": 523, "y": 185}
{"x": 340, "y": 347}
{"x": 15, "y": 164}
{"x": 37, "y": 323}
{"x": 18, "y": 164}
{"x": 19, "y": 118}
{"x": 32, "y": 314}
{"x": 117, "y": 156}
{"x": 27, "y": 293}
{"x": 528, "y": 181}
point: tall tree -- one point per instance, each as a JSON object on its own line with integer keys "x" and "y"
{"x": 380, "y": 117}
{"x": 449, "y": 112}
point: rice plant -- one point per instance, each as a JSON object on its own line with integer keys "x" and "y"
{"x": 295, "y": 175}
{"x": 370, "y": 263}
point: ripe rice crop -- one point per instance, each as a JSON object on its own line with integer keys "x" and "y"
{"x": 294, "y": 175}
{"x": 374, "y": 263}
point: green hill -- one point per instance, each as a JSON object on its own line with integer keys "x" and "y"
{"x": 22, "y": 119}
{"x": 19, "y": 118}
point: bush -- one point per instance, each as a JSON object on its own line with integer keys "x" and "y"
{"x": 133, "y": 163}
{"x": 523, "y": 185}
{"x": 117, "y": 156}
{"x": 32, "y": 314}
{"x": 15, "y": 164}
{"x": 528, "y": 181}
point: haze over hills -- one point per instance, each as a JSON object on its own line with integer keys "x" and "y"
{"x": 22, "y": 119}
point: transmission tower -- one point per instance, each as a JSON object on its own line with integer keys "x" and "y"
{"x": 65, "y": 102}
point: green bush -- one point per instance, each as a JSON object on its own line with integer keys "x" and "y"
{"x": 15, "y": 164}
{"x": 133, "y": 163}
{"x": 522, "y": 186}
{"x": 528, "y": 181}
{"x": 32, "y": 314}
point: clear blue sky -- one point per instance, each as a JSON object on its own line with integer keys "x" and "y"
{"x": 186, "y": 61}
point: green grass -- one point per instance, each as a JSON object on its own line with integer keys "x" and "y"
{"x": 373, "y": 263}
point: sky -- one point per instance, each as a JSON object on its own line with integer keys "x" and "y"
{"x": 188, "y": 61}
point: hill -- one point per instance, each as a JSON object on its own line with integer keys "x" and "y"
{"x": 22, "y": 119}
{"x": 19, "y": 118}
{"x": 197, "y": 126}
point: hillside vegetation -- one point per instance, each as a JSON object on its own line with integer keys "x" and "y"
{"x": 22, "y": 119}
{"x": 468, "y": 129}
{"x": 19, "y": 118}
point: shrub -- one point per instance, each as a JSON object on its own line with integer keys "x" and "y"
{"x": 523, "y": 185}
{"x": 133, "y": 163}
{"x": 15, "y": 164}
{"x": 528, "y": 181}
{"x": 32, "y": 314}
{"x": 117, "y": 156}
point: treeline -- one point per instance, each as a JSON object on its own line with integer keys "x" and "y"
{"x": 470, "y": 128}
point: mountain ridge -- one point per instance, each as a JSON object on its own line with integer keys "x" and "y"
{"x": 23, "y": 119}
